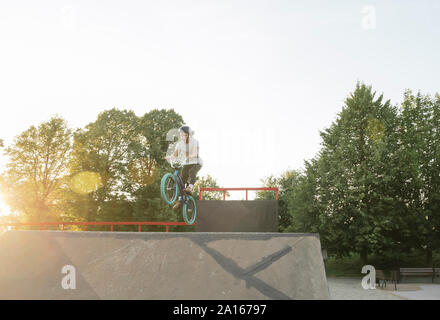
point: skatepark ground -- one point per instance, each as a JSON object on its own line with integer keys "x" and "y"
{"x": 144, "y": 265}
{"x": 182, "y": 266}
{"x": 348, "y": 288}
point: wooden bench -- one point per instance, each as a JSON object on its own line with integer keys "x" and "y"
{"x": 431, "y": 272}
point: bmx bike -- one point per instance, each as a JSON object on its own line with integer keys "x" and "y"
{"x": 171, "y": 187}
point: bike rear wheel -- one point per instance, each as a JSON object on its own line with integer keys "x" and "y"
{"x": 168, "y": 188}
{"x": 189, "y": 210}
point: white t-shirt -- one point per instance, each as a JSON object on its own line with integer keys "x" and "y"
{"x": 192, "y": 148}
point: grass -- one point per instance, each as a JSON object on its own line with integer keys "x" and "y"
{"x": 352, "y": 266}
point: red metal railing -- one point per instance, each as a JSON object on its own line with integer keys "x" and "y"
{"x": 103, "y": 223}
{"x": 237, "y": 189}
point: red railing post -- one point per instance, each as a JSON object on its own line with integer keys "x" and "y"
{"x": 111, "y": 227}
{"x": 85, "y": 227}
{"x": 139, "y": 228}
{"x": 167, "y": 228}
{"x": 62, "y": 227}
{"x": 235, "y": 189}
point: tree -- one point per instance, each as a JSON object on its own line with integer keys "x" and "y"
{"x": 148, "y": 163}
{"x": 348, "y": 171}
{"x": 102, "y": 153}
{"x": 38, "y": 159}
{"x": 304, "y": 205}
{"x": 419, "y": 158}
{"x": 208, "y": 182}
{"x": 149, "y": 166}
{"x": 155, "y": 125}
{"x": 286, "y": 183}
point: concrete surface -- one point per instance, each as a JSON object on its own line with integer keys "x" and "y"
{"x": 342, "y": 288}
{"x": 351, "y": 289}
{"x": 426, "y": 292}
{"x": 125, "y": 265}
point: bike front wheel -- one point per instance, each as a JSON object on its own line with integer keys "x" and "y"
{"x": 168, "y": 188}
{"x": 189, "y": 210}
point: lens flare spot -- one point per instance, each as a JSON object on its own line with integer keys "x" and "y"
{"x": 86, "y": 182}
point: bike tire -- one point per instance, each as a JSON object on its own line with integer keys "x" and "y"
{"x": 189, "y": 220}
{"x": 164, "y": 186}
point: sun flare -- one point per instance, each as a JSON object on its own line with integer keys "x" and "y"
{"x": 4, "y": 209}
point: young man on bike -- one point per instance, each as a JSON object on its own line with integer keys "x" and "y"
{"x": 187, "y": 148}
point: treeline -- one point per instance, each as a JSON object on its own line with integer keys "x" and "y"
{"x": 374, "y": 187}
{"x": 108, "y": 171}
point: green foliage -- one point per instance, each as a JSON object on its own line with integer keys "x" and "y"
{"x": 374, "y": 186}
{"x": 111, "y": 170}
{"x": 127, "y": 152}
{"x": 105, "y": 147}
{"x": 348, "y": 170}
{"x": 155, "y": 126}
{"x": 34, "y": 179}
{"x": 351, "y": 265}
{"x": 146, "y": 200}
{"x": 287, "y": 184}
{"x": 208, "y": 182}
{"x": 419, "y": 160}
{"x": 302, "y": 201}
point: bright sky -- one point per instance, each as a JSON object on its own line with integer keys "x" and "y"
{"x": 256, "y": 80}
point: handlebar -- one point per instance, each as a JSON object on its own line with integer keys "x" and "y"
{"x": 175, "y": 163}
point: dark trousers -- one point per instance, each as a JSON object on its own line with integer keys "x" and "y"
{"x": 189, "y": 173}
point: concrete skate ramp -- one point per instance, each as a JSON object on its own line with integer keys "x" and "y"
{"x": 237, "y": 216}
{"x": 126, "y": 265}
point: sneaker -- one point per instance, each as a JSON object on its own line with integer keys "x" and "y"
{"x": 188, "y": 191}
{"x": 177, "y": 205}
